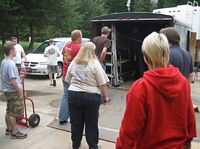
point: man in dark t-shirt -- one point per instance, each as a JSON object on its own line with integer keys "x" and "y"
{"x": 179, "y": 57}
{"x": 102, "y": 44}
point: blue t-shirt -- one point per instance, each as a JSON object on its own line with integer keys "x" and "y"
{"x": 181, "y": 59}
{"x": 9, "y": 71}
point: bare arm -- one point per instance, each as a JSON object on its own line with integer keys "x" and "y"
{"x": 68, "y": 79}
{"x": 103, "y": 55}
{"x": 24, "y": 56}
{"x": 14, "y": 83}
{"x": 103, "y": 89}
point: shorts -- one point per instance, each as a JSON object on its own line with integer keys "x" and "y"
{"x": 14, "y": 104}
{"x": 52, "y": 69}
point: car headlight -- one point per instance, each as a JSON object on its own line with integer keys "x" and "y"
{"x": 43, "y": 63}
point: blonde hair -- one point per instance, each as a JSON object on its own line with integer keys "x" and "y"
{"x": 76, "y": 34}
{"x": 86, "y": 53}
{"x": 155, "y": 48}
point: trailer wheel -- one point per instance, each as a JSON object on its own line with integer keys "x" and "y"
{"x": 34, "y": 120}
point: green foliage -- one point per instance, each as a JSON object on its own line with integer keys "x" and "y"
{"x": 116, "y": 5}
{"x": 143, "y": 6}
{"x": 88, "y": 9}
{"x": 43, "y": 19}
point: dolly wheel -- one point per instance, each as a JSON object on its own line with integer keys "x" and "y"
{"x": 34, "y": 120}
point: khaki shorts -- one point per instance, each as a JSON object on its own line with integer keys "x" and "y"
{"x": 52, "y": 69}
{"x": 14, "y": 104}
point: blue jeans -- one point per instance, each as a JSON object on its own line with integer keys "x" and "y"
{"x": 84, "y": 110}
{"x": 64, "y": 108}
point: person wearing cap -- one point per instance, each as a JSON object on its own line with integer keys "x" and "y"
{"x": 102, "y": 45}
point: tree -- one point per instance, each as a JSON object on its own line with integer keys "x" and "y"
{"x": 143, "y": 5}
{"x": 6, "y": 19}
{"x": 116, "y": 5}
{"x": 88, "y": 9}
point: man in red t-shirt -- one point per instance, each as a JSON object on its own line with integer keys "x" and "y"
{"x": 69, "y": 52}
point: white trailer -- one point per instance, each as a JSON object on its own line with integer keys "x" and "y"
{"x": 188, "y": 14}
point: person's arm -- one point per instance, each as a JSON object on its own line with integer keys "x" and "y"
{"x": 103, "y": 55}
{"x": 102, "y": 80}
{"x": 58, "y": 54}
{"x": 24, "y": 56}
{"x": 45, "y": 53}
{"x": 68, "y": 76}
{"x": 12, "y": 76}
{"x": 104, "y": 93}
{"x": 15, "y": 85}
{"x": 191, "y": 71}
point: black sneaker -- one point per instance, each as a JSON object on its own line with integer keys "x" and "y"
{"x": 62, "y": 122}
{"x": 196, "y": 109}
{"x": 8, "y": 132}
{"x": 18, "y": 135}
{"x": 54, "y": 83}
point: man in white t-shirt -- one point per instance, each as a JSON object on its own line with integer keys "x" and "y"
{"x": 52, "y": 52}
{"x": 19, "y": 53}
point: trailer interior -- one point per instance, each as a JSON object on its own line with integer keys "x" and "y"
{"x": 124, "y": 61}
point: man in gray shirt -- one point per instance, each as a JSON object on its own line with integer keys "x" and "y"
{"x": 11, "y": 86}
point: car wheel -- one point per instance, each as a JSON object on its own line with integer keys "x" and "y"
{"x": 60, "y": 67}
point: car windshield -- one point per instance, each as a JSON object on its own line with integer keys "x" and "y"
{"x": 41, "y": 48}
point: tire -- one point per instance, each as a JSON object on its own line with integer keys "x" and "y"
{"x": 60, "y": 69}
{"x": 34, "y": 120}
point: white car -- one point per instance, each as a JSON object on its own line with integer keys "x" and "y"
{"x": 36, "y": 63}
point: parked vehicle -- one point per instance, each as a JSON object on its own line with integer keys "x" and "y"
{"x": 36, "y": 63}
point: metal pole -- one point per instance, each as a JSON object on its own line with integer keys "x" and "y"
{"x": 128, "y": 4}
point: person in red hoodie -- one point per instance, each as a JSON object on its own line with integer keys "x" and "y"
{"x": 159, "y": 112}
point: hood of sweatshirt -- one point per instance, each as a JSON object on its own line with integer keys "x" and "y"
{"x": 166, "y": 81}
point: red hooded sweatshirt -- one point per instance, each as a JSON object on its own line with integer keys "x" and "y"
{"x": 159, "y": 112}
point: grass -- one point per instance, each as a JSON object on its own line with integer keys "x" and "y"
{"x": 24, "y": 45}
